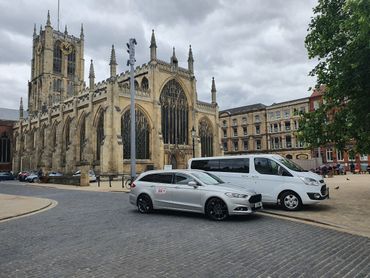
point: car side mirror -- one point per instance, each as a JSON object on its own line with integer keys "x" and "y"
{"x": 193, "y": 184}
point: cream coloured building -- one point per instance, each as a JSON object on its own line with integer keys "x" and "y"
{"x": 70, "y": 125}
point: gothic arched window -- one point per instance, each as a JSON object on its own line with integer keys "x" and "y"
{"x": 99, "y": 135}
{"x": 142, "y": 135}
{"x": 206, "y": 138}
{"x": 145, "y": 84}
{"x": 82, "y": 137}
{"x": 71, "y": 62}
{"x": 174, "y": 106}
{"x": 42, "y": 137}
{"x": 54, "y": 136}
{"x": 67, "y": 131}
{"x": 136, "y": 84}
{"x": 4, "y": 148}
{"x": 57, "y": 61}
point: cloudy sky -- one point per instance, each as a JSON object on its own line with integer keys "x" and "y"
{"x": 253, "y": 48}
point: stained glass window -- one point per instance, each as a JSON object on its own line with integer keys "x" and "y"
{"x": 142, "y": 135}
{"x": 99, "y": 135}
{"x": 206, "y": 138}
{"x": 174, "y": 114}
{"x": 57, "y": 61}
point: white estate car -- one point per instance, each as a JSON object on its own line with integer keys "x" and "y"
{"x": 279, "y": 180}
{"x": 194, "y": 191}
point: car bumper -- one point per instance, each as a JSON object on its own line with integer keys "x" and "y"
{"x": 132, "y": 199}
{"x": 243, "y": 206}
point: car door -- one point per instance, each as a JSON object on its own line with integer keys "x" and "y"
{"x": 266, "y": 179}
{"x": 186, "y": 197}
{"x": 162, "y": 190}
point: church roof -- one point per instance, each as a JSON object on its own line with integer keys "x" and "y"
{"x": 10, "y": 114}
{"x": 244, "y": 109}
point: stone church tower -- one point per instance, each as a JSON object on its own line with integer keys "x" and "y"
{"x": 70, "y": 126}
{"x": 57, "y": 67}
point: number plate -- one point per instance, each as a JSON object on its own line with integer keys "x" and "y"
{"x": 258, "y": 205}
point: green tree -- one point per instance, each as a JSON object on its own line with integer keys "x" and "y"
{"x": 339, "y": 38}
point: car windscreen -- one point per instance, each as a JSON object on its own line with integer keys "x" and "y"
{"x": 207, "y": 178}
{"x": 291, "y": 165}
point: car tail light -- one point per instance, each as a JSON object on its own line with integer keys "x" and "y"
{"x": 133, "y": 185}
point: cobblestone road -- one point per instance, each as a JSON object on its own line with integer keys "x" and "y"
{"x": 92, "y": 234}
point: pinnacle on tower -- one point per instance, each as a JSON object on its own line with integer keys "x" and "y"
{"x": 65, "y": 30}
{"x": 40, "y": 29}
{"x": 173, "y": 58}
{"x": 190, "y": 60}
{"x": 91, "y": 72}
{"x": 113, "y": 57}
{"x": 21, "y": 109}
{"x": 91, "y": 76}
{"x": 82, "y": 31}
{"x": 113, "y": 62}
{"x": 34, "y": 29}
{"x": 213, "y": 91}
{"x": 153, "y": 48}
{"x": 152, "y": 40}
{"x": 48, "y": 23}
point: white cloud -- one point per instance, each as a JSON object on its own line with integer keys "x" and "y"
{"x": 254, "y": 49}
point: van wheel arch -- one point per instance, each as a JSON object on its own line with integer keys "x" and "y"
{"x": 285, "y": 193}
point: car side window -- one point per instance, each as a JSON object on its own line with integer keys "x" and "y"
{"x": 182, "y": 179}
{"x": 266, "y": 166}
{"x": 158, "y": 178}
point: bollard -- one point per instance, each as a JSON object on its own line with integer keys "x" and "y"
{"x": 110, "y": 180}
{"x": 98, "y": 180}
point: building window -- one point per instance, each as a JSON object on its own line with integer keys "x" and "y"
{"x": 257, "y": 118}
{"x": 302, "y": 110}
{"x": 57, "y": 59}
{"x": 258, "y": 129}
{"x": 54, "y": 136}
{"x": 296, "y": 125}
{"x": 286, "y": 114}
{"x": 316, "y": 105}
{"x": 271, "y": 115}
{"x": 206, "y": 138}
{"x": 57, "y": 85}
{"x": 245, "y": 145}
{"x": 339, "y": 155}
{"x": 277, "y": 114}
{"x": 245, "y": 131}
{"x": 42, "y": 137}
{"x": 235, "y": 131}
{"x": 258, "y": 144}
{"x": 244, "y": 120}
{"x": 276, "y": 128}
{"x": 67, "y": 131}
{"x": 276, "y": 143}
{"x": 225, "y": 132}
{"x": 142, "y": 135}
{"x": 287, "y": 126}
{"x": 235, "y": 122}
{"x": 329, "y": 154}
{"x": 174, "y": 109}
{"x": 145, "y": 84}
{"x": 99, "y": 135}
{"x": 136, "y": 84}
{"x": 82, "y": 138}
{"x": 235, "y": 146}
{"x": 225, "y": 146}
{"x": 363, "y": 157}
{"x": 288, "y": 142}
{"x": 71, "y": 62}
{"x": 70, "y": 88}
{"x": 295, "y": 112}
{"x": 224, "y": 123}
{"x": 5, "y": 148}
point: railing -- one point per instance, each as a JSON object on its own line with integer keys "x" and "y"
{"x": 123, "y": 180}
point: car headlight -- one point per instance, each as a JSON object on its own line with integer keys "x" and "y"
{"x": 309, "y": 181}
{"x": 236, "y": 195}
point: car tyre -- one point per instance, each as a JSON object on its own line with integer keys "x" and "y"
{"x": 290, "y": 201}
{"x": 216, "y": 209}
{"x": 144, "y": 204}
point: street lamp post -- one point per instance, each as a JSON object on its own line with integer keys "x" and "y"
{"x": 131, "y": 62}
{"x": 193, "y": 137}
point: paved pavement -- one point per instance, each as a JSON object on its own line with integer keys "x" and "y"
{"x": 96, "y": 234}
{"x": 348, "y": 208}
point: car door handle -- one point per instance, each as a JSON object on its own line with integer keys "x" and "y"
{"x": 256, "y": 177}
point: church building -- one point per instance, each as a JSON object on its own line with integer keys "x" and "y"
{"x": 70, "y": 125}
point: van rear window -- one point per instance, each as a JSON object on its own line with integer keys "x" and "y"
{"x": 235, "y": 165}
